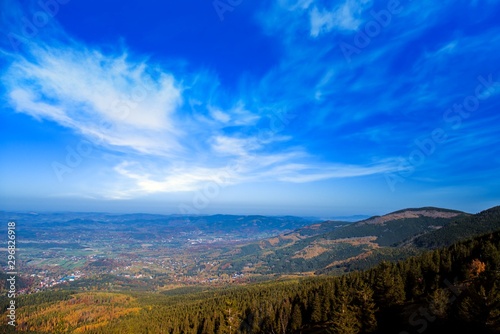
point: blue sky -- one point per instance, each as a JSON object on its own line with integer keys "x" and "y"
{"x": 305, "y": 107}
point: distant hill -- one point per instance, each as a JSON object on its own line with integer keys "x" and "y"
{"x": 429, "y": 212}
{"x": 461, "y": 228}
{"x": 407, "y": 232}
{"x": 237, "y": 226}
{"x": 397, "y": 226}
{"x": 329, "y": 246}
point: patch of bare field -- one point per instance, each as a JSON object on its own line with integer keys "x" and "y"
{"x": 318, "y": 247}
{"x": 293, "y": 237}
{"x": 354, "y": 258}
{"x": 314, "y": 226}
{"x": 310, "y": 252}
{"x": 297, "y": 276}
{"x": 355, "y": 241}
{"x": 274, "y": 241}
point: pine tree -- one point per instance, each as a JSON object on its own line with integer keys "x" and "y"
{"x": 493, "y": 307}
{"x": 367, "y": 308}
{"x": 491, "y": 256}
{"x": 296, "y": 321}
{"x": 414, "y": 281}
{"x": 345, "y": 319}
{"x": 317, "y": 309}
{"x": 283, "y": 316}
{"x": 440, "y": 302}
{"x": 389, "y": 286}
{"x": 208, "y": 325}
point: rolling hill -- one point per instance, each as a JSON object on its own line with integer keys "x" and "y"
{"x": 461, "y": 228}
{"x": 334, "y": 247}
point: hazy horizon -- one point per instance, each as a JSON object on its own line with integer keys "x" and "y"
{"x": 236, "y": 211}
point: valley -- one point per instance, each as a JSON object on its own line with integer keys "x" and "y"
{"x": 162, "y": 253}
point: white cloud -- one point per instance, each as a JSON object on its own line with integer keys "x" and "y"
{"x": 242, "y": 116}
{"x": 219, "y": 115}
{"x": 237, "y": 115}
{"x": 346, "y": 16}
{"x": 174, "y": 179}
{"x": 107, "y": 98}
{"x": 302, "y": 173}
{"x": 234, "y": 146}
{"x": 138, "y": 180}
{"x": 293, "y": 5}
{"x": 321, "y": 21}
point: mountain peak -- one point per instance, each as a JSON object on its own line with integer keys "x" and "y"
{"x": 430, "y": 212}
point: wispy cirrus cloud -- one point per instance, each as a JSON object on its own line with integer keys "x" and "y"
{"x": 302, "y": 173}
{"x": 139, "y": 180}
{"x": 109, "y": 99}
{"x": 346, "y": 16}
{"x": 133, "y": 106}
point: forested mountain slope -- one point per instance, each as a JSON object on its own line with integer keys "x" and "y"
{"x": 336, "y": 246}
{"x": 464, "y": 227}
